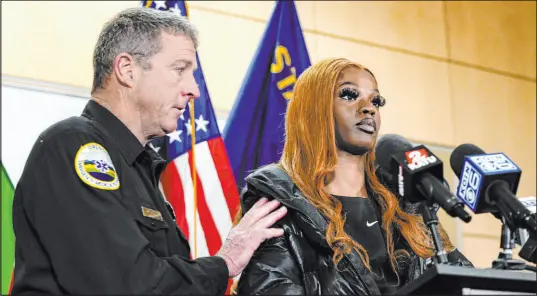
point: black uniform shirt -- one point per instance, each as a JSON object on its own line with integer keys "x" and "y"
{"x": 89, "y": 217}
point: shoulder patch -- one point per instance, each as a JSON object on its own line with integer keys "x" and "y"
{"x": 94, "y": 167}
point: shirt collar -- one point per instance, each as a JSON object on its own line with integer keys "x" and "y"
{"x": 129, "y": 146}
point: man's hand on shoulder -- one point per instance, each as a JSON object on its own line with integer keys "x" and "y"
{"x": 249, "y": 233}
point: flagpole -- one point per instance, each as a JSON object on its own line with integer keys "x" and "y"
{"x": 193, "y": 165}
{"x": 194, "y": 177}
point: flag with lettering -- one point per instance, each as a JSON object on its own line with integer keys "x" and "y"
{"x": 8, "y": 237}
{"x": 254, "y": 132}
{"x": 205, "y": 169}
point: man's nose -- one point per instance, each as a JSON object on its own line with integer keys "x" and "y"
{"x": 192, "y": 89}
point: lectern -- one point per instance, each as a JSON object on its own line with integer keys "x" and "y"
{"x": 442, "y": 279}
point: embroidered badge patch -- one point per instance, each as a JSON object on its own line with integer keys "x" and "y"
{"x": 95, "y": 168}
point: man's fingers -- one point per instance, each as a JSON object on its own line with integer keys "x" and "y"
{"x": 259, "y": 203}
{"x": 255, "y": 214}
{"x": 272, "y": 232}
{"x": 269, "y": 220}
{"x": 247, "y": 219}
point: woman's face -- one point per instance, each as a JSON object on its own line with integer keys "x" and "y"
{"x": 356, "y": 111}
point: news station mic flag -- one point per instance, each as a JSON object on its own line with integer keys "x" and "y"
{"x": 254, "y": 132}
{"x": 198, "y": 181}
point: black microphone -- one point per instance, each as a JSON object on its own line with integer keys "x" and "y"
{"x": 417, "y": 174}
{"x": 522, "y": 235}
{"x": 488, "y": 183}
{"x": 527, "y": 240}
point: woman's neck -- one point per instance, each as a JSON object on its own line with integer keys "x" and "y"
{"x": 348, "y": 178}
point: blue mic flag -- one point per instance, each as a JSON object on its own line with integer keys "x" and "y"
{"x": 254, "y": 132}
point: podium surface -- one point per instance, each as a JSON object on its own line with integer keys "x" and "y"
{"x": 454, "y": 280}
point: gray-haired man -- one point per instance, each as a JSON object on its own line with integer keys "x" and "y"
{"x": 88, "y": 214}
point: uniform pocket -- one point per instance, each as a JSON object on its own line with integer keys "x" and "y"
{"x": 152, "y": 225}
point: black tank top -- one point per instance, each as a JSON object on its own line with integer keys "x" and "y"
{"x": 365, "y": 226}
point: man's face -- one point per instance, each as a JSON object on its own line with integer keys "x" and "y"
{"x": 164, "y": 90}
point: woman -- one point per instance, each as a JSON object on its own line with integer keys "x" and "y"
{"x": 345, "y": 233}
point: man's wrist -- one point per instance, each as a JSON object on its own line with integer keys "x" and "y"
{"x": 228, "y": 263}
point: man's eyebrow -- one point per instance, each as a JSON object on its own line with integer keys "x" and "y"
{"x": 187, "y": 63}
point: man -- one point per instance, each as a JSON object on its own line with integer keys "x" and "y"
{"x": 88, "y": 214}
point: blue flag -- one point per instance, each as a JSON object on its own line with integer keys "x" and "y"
{"x": 254, "y": 132}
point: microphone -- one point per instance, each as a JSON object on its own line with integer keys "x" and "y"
{"x": 522, "y": 235}
{"x": 416, "y": 174}
{"x": 488, "y": 183}
{"x": 527, "y": 240}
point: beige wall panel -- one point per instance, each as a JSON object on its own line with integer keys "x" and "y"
{"x": 53, "y": 41}
{"x": 497, "y": 113}
{"x": 480, "y": 251}
{"x": 515, "y": 251}
{"x": 225, "y": 60}
{"x": 254, "y": 9}
{"x": 411, "y": 25}
{"x": 494, "y": 34}
{"x": 312, "y": 42}
{"x": 482, "y": 224}
{"x": 68, "y": 49}
{"x": 417, "y": 92}
{"x": 260, "y": 10}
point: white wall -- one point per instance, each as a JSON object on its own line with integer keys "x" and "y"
{"x": 26, "y": 113}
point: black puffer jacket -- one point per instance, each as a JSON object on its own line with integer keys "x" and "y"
{"x": 300, "y": 261}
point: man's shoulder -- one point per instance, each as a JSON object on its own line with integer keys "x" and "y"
{"x": 66, "y": 143}
{"x": 64, "y": 138}
{"x": 75, "y": 126}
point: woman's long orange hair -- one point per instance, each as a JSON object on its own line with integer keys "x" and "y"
{"x": 310, "y": 156}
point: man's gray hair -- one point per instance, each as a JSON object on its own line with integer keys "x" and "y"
{"x": 136, "y": 31}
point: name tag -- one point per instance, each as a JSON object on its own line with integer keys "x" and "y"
{"x": 150, "y": 213}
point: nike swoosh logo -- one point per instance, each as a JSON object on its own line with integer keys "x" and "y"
{"x": 371, "y": 224}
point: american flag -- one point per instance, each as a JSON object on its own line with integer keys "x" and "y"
{"x": 217, "y": 193}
